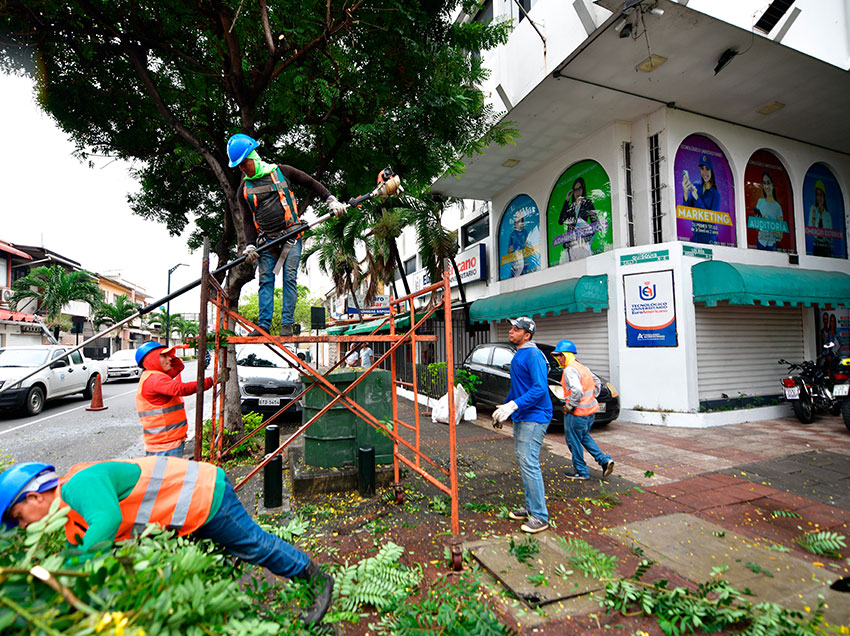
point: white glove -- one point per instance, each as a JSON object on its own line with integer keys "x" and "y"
{"x": 251, "y": 255}
{"x": 336, "y": 207}
{"x": 504, "y": 411}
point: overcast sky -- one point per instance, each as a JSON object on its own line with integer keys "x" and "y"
{"x": 51, "y": 199}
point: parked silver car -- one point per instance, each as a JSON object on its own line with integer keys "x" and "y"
{"x": 121, "y": 365}
{"x": 266, "y": 381}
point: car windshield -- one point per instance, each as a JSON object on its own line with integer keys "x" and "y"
{"x": 259, "y": 356}
{"x": 125, "y": 355}
{"x": 23, "y": 357}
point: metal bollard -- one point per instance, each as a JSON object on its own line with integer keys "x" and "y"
{"x": 366, "y": 471}
{"x": 273, "y": 471}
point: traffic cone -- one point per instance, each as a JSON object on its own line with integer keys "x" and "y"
{"x": 97, "y": 397}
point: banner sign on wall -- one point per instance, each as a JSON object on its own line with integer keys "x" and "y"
{"x": 705, "y": 193}
{"x": 834, "y": 327}
{"x": 650, "y": 309}
{"x": 519, "y": 238}
{"x": 769, "y": 204}
{"x": 823, "y": 207}
{"x": 471, "y": 263}
{"x": 578, "y": 218}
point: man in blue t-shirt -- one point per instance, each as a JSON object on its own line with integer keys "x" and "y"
{"x": 530, "y": 407}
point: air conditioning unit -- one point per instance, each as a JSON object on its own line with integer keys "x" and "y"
{"x": 5, "y": 295}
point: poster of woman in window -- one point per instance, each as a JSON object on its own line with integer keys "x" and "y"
{"x": 519, "y": 238}
{"x": 705, "y": 194}
{"x": 769, "y": 201}
{"x": 579, "y": 214}
{"x": 823, "y": 210}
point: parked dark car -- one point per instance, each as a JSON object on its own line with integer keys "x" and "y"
{"x": 491, "y": 362}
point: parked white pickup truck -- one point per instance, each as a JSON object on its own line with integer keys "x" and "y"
{"x": 73, "y": 374}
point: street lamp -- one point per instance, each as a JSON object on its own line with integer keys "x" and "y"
{"x": 168, "y": 306}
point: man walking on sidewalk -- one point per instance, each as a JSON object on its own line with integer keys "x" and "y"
{"x": 530, "y": 407}
{"x": 580, "y": 390}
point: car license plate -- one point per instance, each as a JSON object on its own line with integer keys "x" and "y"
{"x": 840, "y": 390}
{"x": 269, "y": 401}
{"x": 602, "y": 407}
{"x": 792, "y": 393}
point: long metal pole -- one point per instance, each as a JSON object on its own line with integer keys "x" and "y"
{"x": 202, "y": 348}
{"x": 168, "y": 312}
{"x": 294, "y": 231}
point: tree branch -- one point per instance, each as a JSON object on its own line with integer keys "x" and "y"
{"x": 267, "y": 29}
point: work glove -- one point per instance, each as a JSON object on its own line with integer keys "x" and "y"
{"x": 251, "y": 255}
{"x": 504, "y": 411}
{"x": 338, "y": 208}
{"x": 223, "y": 375}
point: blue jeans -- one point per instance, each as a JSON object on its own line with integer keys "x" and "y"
{"x": 234, "y": 529}
{"x": 174, "y": 452}
{"x": 290, "y": 286}
{"x": 577, "y": 434}
{"x": 528, "y": 439}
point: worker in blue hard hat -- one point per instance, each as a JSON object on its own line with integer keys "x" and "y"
{"x": 270, "y": 209}
{"x": 159, "y": 399}
{"x": 580, "y": 387}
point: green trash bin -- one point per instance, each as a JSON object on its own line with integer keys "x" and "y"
{"x": 333, "y": 440}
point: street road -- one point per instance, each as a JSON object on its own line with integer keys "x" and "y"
{"x": 64, "y": 433}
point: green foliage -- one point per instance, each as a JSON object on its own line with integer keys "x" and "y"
{"x": 756, "y": 568}
{"x": 295, "y": 528}
{"x": 112, "y": 314}
{"x": 648, "y": 474}
{"x": 250, "y": 307}
{"x": 713, "y": 607}
{"x": 588, "y": 559}
{"x": 824, "y": 542}
{"x": 606, "y": 500}
{"x": 379, "y": 581}
{"x": 787, "y": 514}
{"x": 54, "y": 287}
{"x": 778, "y": 548}
{"x": 247, "y": 449}
{"x": 538, "y": 579}
{"x": 524, "y": 550}
{"x": 479, "y": 506}
{"x": 450, "y": 607}
{"x": 469, "y": 381}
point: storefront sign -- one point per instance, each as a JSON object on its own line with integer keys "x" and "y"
{"x": 645, "y": 257}
{"x": 705, "y": 194}
{"x": 578, "y": 217}
{"x": 698, "y": 252}
{"x": 823, "y": 206}
{"x": 471, "y": 263}
{"x": 519, "y": 238}
{"x": 650, "y": 309}
{"x": 769, "y": 204}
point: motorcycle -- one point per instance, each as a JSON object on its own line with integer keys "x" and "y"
{"x": 841, "y": 390}
{"x": 820, "y": 386}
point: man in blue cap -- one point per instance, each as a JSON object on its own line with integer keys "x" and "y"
{"x": 270, "y": 209}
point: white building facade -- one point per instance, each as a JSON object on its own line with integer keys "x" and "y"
{"x": 676, "y": 202}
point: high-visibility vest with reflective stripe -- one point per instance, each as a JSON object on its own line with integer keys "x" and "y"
{"x": 588, "y": 404}
{"x": 172, "y": 492}
{"x": 164, "y": 425}
{"x": 271, "y": 214}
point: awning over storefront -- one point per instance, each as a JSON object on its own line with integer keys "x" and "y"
{"x": 17, "y": 316}
{"x": 737, "y": 284}
{"x": 574, "y": 295}
{"x": 401, "y": 322}
{"x": 337, "y": 329}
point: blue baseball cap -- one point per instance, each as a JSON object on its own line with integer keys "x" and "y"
{"x": 705, "y": 160}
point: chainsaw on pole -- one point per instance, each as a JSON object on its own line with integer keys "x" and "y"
{"x": 388, "y": 184}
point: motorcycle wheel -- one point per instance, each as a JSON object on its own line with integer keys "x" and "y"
{"x": 845, "y": 412}
{"x": 804, "y": 409}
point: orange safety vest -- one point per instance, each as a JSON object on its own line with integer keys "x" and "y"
{"x": 164, "y": 425}
{"x": 171, "y": 492}
{"x": 285, "y": 194}
{"x": 588, "y": 404}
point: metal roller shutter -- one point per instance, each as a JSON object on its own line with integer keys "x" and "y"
{"x": 589, "y": 330}
{"x": 737, "y": 349}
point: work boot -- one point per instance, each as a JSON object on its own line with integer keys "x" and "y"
{"x": 286, "y": 330}
{"x": 323, "y": 587}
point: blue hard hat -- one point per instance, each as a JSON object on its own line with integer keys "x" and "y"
{"x": 565, "y": 346}
{"x": 705, "y": 160}
{"x": 239, "y": 146}
{"x": 13, "y": 481}
{"x": 145, "y": 349}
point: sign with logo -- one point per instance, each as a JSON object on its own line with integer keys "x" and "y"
{"x": 698, "y": 252}
{"x": 650, "y": 309}
{"x": 471, "y": 263}
{"x": 823, "y": 212}
{"x": 645, "y": 257}
{"x": 769, "y": 204}
{"x": 578, "y": 217}
{"x": 519, "y": 238}
{"x": 705, "y": 193}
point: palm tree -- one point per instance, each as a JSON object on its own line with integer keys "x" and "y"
{"x": 184, "y": 327}
{"x": 121, "y": 309}
{"x": 335, "y": 248}
{"x": 53, "y": 287}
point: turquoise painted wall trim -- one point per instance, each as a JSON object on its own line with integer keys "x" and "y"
{"x": 737, "y": 284}
{"x": 573, "y": 296}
